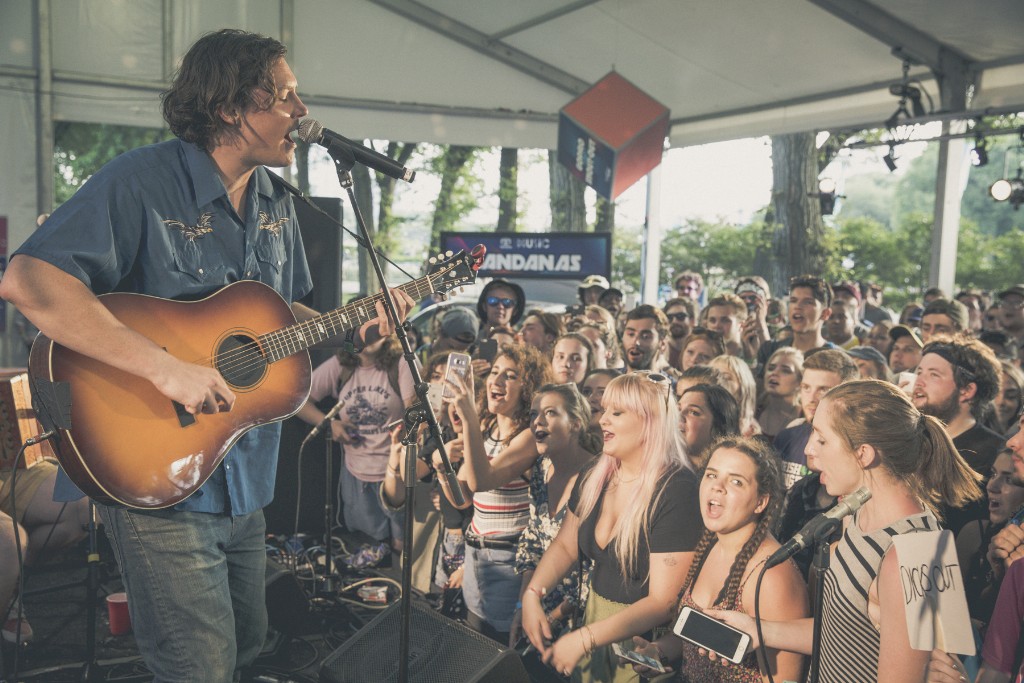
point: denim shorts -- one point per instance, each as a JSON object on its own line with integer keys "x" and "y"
{"x": 364, "y": 511}
{"x": 490, "y": 585}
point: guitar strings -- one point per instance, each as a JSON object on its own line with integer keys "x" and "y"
{"x": 279, "y": 344}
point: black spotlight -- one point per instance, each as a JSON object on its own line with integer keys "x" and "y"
{"x": 1009, "y": 189}
{"x": 827, "y": 196}
{"x": 979, "y": 155}
{"x": 890, "y": 159}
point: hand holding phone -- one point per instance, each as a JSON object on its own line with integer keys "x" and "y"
{"x": 712, "y": 634}
{"x": 458, "y": 366}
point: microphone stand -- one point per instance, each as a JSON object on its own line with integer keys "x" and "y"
{"x": 819, "y": 567}
{"x": 327, "y": 587}
{"x": 343, "y": 163}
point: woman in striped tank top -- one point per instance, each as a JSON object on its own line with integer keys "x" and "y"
{"x": 498, "y": 471}
{"x": 868, "y": 434}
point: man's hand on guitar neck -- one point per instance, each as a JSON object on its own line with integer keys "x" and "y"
{"x": 370, "y": 331}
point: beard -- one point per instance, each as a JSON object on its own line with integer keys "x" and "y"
{"x": 943, "y": 410}
{"x": 642, "y": 362}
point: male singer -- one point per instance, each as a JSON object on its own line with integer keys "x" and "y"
{"x": 179, "y": 220}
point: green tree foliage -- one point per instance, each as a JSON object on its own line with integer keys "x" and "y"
{"x": 81, "y": 149}
{"x": 460, "y": 188}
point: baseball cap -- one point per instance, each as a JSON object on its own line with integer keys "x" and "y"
{"x": 867, "y": 353}
{"x": 852, "y": 287}
{"x": 594, "y": 281}
{"x": 460, "y": 324}
{"x": 905, "y": 331}
{"x": 1016, "y": 289}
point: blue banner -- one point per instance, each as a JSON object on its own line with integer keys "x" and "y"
{"x": 547, "y": 255}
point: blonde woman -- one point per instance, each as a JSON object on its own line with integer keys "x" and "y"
{"x": 740, "y": 383}
{"x": 780, "y": 402}
{"x": 634, "y": 515}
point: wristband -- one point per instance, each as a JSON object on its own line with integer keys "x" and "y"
{"x": 519, "y": 605}
{"x": 540, "y": 593}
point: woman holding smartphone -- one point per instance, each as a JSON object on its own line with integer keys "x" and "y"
{"x": 866, "y": 433}
{"x": 741, "y": 494}
{"x": 559, "y": 420}
{"x": 499, "y": 453}
{"x": 634, "y": 516}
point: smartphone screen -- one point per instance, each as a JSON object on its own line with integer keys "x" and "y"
{"x": 711, "y": 634}
{"x": 634, "y": 656}
{"x": 487, "y": 350}
{"x": 458, "y": 365}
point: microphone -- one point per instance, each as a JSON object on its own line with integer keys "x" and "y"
{"x": 806, "y": 536}
{"x": 311, "y": 130}
{"x": 331, "y": 414}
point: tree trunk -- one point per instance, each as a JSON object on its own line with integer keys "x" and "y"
{"x": 508, "y": 190}
{"x": 454, "y": 160}
{"x": 797, "y": 230}
{"x": 604, "y": 221}
{"x": 568, "y": 209}
{"x": 400, "y": 152}
{"x": 368, "y": 282}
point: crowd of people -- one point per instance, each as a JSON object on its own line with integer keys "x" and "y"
{"x": 620, "y": 464}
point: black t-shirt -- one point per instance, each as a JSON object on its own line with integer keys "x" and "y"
{"x": 676, "y": 526}
{"x": 978, "y": 446}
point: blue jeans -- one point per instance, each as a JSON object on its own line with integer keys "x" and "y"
{"x": 196, "y": 585}
{"x": 490, "y": 586}
{"x": 364, "y": 511}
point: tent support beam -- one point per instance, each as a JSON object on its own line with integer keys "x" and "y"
{"x": 542, "y": 19}
{"x": 44, "y": 108}
{"x": 484, "y": 44}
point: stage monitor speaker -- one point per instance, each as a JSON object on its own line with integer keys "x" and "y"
{"x": 612, "y": 135}
{"x": 322, "y": 240}
{"x": 287, "y": 605}
{"x": 440, "y": 651}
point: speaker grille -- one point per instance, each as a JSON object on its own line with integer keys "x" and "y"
{"x": 440, "y": 651}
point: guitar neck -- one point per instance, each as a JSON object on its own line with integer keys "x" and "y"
{"x": 301, "y": 336}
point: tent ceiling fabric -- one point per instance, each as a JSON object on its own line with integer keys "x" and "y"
{"x": 492, "y": 72}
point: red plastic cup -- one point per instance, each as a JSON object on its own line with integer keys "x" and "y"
{"x": 117, "y": 610}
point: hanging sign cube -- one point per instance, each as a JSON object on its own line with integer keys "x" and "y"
{"x": 612, "y": 135}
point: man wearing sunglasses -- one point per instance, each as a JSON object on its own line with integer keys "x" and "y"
{"x": 500, "y": 304}
{"x": 681, "y": 314}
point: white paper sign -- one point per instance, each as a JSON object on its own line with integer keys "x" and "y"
{"x": 933, "y": 592}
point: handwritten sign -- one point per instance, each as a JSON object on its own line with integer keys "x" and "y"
{"x": 933, "y": 592}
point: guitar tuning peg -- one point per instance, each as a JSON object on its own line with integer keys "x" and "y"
{"x": 432, "y": 260}
{"x": 449, "y": 253}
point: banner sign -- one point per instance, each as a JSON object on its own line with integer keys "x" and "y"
{"x": 933, "y": 592}
{"x": 540, "y": 255}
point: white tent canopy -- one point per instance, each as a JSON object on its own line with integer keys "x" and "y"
{"x": 494, "y": 72}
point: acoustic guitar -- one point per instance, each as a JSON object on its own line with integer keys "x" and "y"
{"x": 129, "y": 444}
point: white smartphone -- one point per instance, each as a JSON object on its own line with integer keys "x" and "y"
{"x": 637, "y": 658}
{"x": 712, "y": 634}
{"x": 458, "y": 364}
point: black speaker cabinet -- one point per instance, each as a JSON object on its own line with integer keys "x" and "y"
{"x": 440, "y": 651}
{"x": 322, "y": 240}
{"x": 287, "y": 604}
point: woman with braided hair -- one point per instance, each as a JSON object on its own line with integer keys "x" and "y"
{"x": 868, "y": 434}
{"x": 741, "y": 494}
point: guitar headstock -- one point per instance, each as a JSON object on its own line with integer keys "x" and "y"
{"x": 456, "y": 270}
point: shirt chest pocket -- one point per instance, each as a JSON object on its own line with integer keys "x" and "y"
{"x": 270, "y": 254}
{"x": 196, "y": 266}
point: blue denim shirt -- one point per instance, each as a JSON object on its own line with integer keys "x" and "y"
{"x": 157, "y": 220}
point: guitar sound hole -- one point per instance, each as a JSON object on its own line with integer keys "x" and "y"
{"x": 240, "y": 361}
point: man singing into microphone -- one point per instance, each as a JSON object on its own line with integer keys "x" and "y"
{"x": 179, "y": 220}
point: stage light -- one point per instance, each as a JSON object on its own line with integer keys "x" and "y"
{"x": 826, "y": 195}
{"x": 890, "y": 159}
{"x": 1009, "y": 189}
{"x": 979, "y": 155}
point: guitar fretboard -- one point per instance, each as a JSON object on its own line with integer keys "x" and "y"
{"x": 300, "y": 336}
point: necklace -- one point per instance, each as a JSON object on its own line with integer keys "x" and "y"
{"x": 620, "y": 480}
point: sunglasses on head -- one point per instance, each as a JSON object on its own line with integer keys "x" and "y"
{"x": 494, "y": 301}
{"x": 661, "y": 380}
